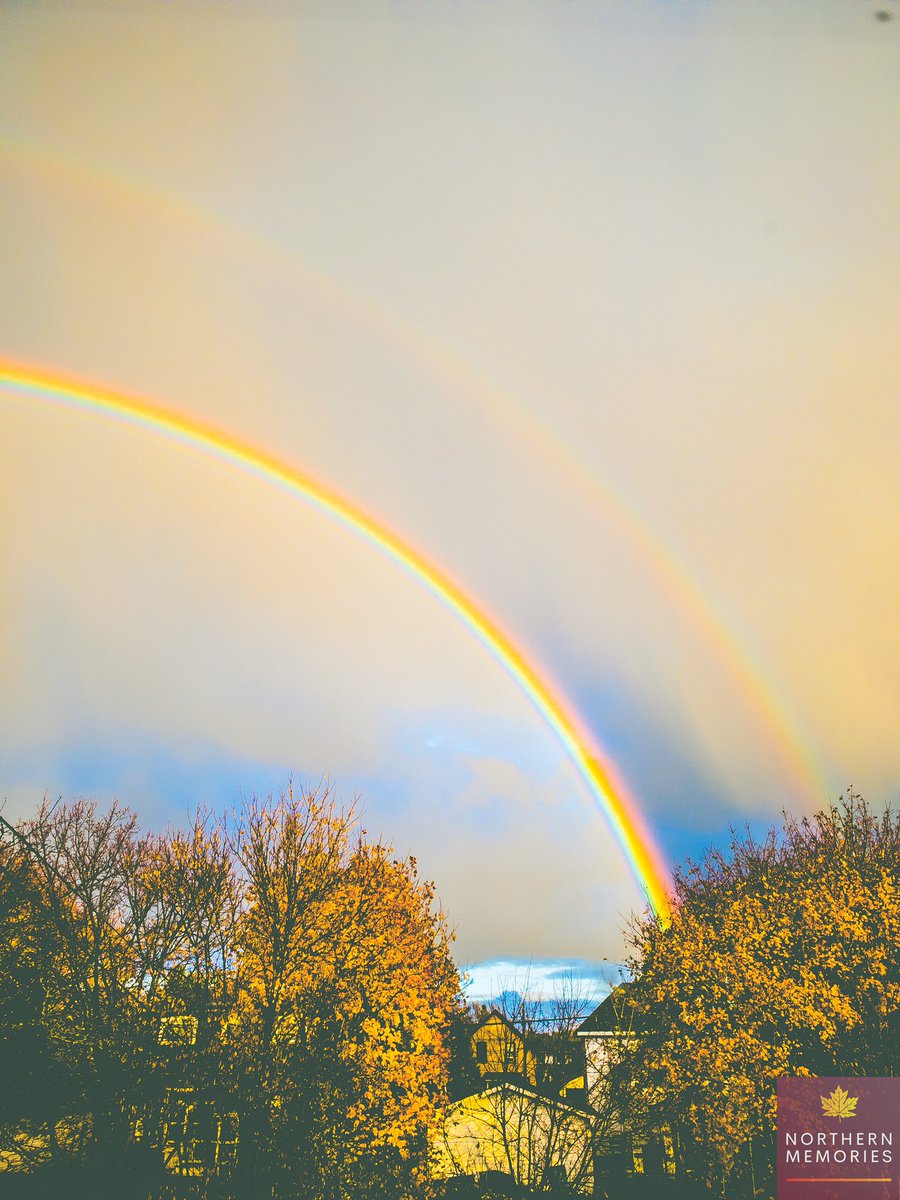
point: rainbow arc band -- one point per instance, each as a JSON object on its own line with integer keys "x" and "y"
{"x": 763, "y": 701}
{"x": 606, "y": 787}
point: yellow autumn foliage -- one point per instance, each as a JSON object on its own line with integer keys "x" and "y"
{"x": 340, "y": 945}
{"x": 781, "y": 958}
{"x": 274, "y": 974}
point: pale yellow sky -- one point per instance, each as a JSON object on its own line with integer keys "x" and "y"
{"x": 480, "y": 268}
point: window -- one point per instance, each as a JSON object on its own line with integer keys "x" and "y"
{"x": 481, "y": 1052}
{"x": 178, "y": 1031}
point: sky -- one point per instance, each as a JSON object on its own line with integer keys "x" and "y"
{"x": 593, "y": 304}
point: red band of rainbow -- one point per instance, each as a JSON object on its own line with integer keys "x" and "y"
{"x": 606, "y": 787}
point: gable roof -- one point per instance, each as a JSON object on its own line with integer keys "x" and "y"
{"x": 529, "y": 1094}
{"x": 493, "y": 1015}
{"x": 612, "y": 1015}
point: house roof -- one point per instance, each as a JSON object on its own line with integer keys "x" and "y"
{"x": 555, "y": 1043}
{"x": 507, "y": 1087}
{"x": 612, "y": 1015}
{"x": 493, "y": 1015}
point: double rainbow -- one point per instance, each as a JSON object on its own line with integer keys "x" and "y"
{"x": 764, "y": 702}
{"x": 606, "y": 787}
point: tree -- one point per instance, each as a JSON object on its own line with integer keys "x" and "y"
{"x": 276, "y": 975}
{"x": 34, "y": 1083}
{"x": 186, "y": 898}
{"x": 110, "y": 931}
{"x": 782, "y": 958}
{"x": 345, "y": 990}
{"x": 81, "y": 949}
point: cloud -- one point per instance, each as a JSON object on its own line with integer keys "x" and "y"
{"x": 541, "y": 981}
{"x": 648, "y": 267}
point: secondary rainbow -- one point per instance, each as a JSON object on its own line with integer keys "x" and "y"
{"x": 598, "y": 773}
{"x": 762, "y": 699}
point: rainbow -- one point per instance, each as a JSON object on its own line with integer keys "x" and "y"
{"x": 769, "y": 712}
{"x": 605, "y": 785}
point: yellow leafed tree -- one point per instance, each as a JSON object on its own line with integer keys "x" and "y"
{"x": 346, "y": 990}
{"x": 266, "y": 999}
{"x": 782, "y": 958}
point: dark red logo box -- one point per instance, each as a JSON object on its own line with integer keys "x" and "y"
{"x": 846, "y": 1149}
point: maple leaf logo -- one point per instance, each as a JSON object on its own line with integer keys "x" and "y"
{"x": 839, "y": 1104}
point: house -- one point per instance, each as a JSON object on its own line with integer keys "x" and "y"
{"x": 501, "y": 1050}
{"x": 606, "y": 1035}
{"x": 537, "y": 1141}
{"x": 528, "y": 1121}
{"x": 551, "y": 1063}
{"x": 194, "y": 1137}
{"x": 609, "y": 1034}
